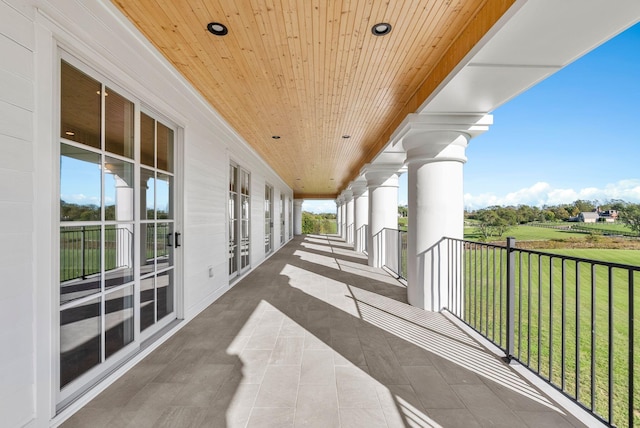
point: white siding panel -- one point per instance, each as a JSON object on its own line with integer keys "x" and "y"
{"x": 16, "y": 90}
{"x": 15, "y": 186}
{"x": 16, "y": 26}
{"x": 15, "y": 121}
{"x": 16, "y": 393}
{"x": 16, "y": 154}
{"x": 18, "y": 216}
{"x": 15, "y": 249}
{"x": 21, "y": 62}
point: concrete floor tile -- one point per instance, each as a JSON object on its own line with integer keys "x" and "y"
{"x": 431, "y": 388}
{"x": 317, "y": 367}
{"x": 362, "y": 418}
{"x": 288, "y": 351}
{"x": 279, "y": 387}
{"x": 308, "y": 411}
{"x": 271, "y": 418}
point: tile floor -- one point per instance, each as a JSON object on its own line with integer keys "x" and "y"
{"x": 315, "y": 338}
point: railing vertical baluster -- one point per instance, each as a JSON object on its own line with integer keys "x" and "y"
{"x": 528, "y": 310}
{"x": 562, "y": 326}
{"x": 502, "y": 256}
{"x": 481, "y": 284}
{"x": 493, "y": 310}
{"x": 539, "y": 309}
{"x": 610, "y": 387}
{"x": 577, "y": 330}
{"x": 593, "y": 336}
{"x": 475, "y": 285}
{"x": 486, "y": 301}
{"x": 511, "y": 279}
{"x": 519, "y": 304}
{"x": 631, "y": 346}
{"x": 551, "y": 319}
{"x": 82, "y": 237}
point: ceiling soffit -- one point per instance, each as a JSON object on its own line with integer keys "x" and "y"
{"x": 312, "y": 72}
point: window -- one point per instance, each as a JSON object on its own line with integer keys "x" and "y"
{"x": 239, "y": 215}
{"x": 268, "y": 219}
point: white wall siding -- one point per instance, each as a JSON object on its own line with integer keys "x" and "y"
{"x": 17, "y": 354}
{"x": 97, "y": 35}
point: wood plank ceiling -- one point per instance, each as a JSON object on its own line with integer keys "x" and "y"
{"x": 311, "y": 71}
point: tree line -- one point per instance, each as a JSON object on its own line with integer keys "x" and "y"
{"x": 496, "y": 220}
{"x": 319, "y": 223}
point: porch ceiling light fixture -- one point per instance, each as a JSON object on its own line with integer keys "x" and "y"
{"x": 381, "y": 29}
{"x": 276, "y": 137}
{"x": 217, "y": 28}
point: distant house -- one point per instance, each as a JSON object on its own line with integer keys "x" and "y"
{"x": 608, "y": 216}
{"x": 588, "y": 217}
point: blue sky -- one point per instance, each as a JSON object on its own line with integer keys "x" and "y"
{"x": 576, "y": 135}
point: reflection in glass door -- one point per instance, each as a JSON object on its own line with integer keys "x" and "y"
{"x": 239, "y": 213}
{"x": 156, "y": 222}
{"x": 268, "y": 219}
{"x": 103, "y": 222}
{"x": 97, "y": 232}
{"x": 282, "y": 214}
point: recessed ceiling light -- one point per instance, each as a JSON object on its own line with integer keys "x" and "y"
{"x": 332, "y": 179}
{"x": 346, "y": 136}
{"x": 276, "y": 137}
{"x": 381, "y": 29}
{"x": 217, "y": 28}
{"x": 297, "y": 179}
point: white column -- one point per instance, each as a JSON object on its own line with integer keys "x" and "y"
{"x": 361, "y": 216}
{"x": 383, "y": 209}
{"x": 436, "y": 206}
{"x": 297, "y": 216}
{"x": 349, "y": 226}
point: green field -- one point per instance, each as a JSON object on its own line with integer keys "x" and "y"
{"x": 539, "y": 313}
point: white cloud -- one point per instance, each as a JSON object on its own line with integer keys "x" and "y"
{"x": 543, "y": 193}
{"x": 81, "y": 199}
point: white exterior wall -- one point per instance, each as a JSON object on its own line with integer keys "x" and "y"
{"x": 96, "y": 34}
{"x": 17, "y": 211}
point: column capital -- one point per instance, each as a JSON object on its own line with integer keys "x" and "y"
{"x": 347, "y": 195}
{"x": 298, "y": 202}
{"x": 381, "y": 174}
{"x": 426, "y": 137}
{"x": 358, "y": 186}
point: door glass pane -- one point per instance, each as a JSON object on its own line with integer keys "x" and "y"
{"x": 80, "y": 185}
{"x": 147, "y": 140}
{"x": 118, "y": 124}
{"x": 118, "y": 255}
{"x": 80, "y": 347}
{"x": 164, "y": 292}
{"x": 164, "y": 197}
{"x": 118, "y": 190}
{"x": 232, "y": 178}
{"x": 81, "y": 106}
{"x": 164, "y": 246}
{"x": 148, "y": 246}
{"x": 147, "y": 302}
{"x": 165, "y": 148}
{"x": 147, "y": 194}
{"x": 118, "y": 308}
{"x": 80, "y": 273}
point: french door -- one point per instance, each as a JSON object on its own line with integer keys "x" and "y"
{"x": 239, "y": 215}
{"x": 268, "y": 219}
{"x": 118, "y": 230}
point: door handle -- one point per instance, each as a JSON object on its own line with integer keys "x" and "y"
{"x": 177, "y": 239}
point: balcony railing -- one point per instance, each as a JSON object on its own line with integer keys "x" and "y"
{"x": 393, "y": 245}
{"x": 571, "y": 321}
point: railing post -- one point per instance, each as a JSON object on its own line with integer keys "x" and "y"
{"x": 82, "y": 238}
{"x": 511, "y": 288}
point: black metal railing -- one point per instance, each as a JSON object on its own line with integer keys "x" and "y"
{"x": 393, "y": 244}
{"x": 570, "y": 320}
{"x": 80, "y": 250}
